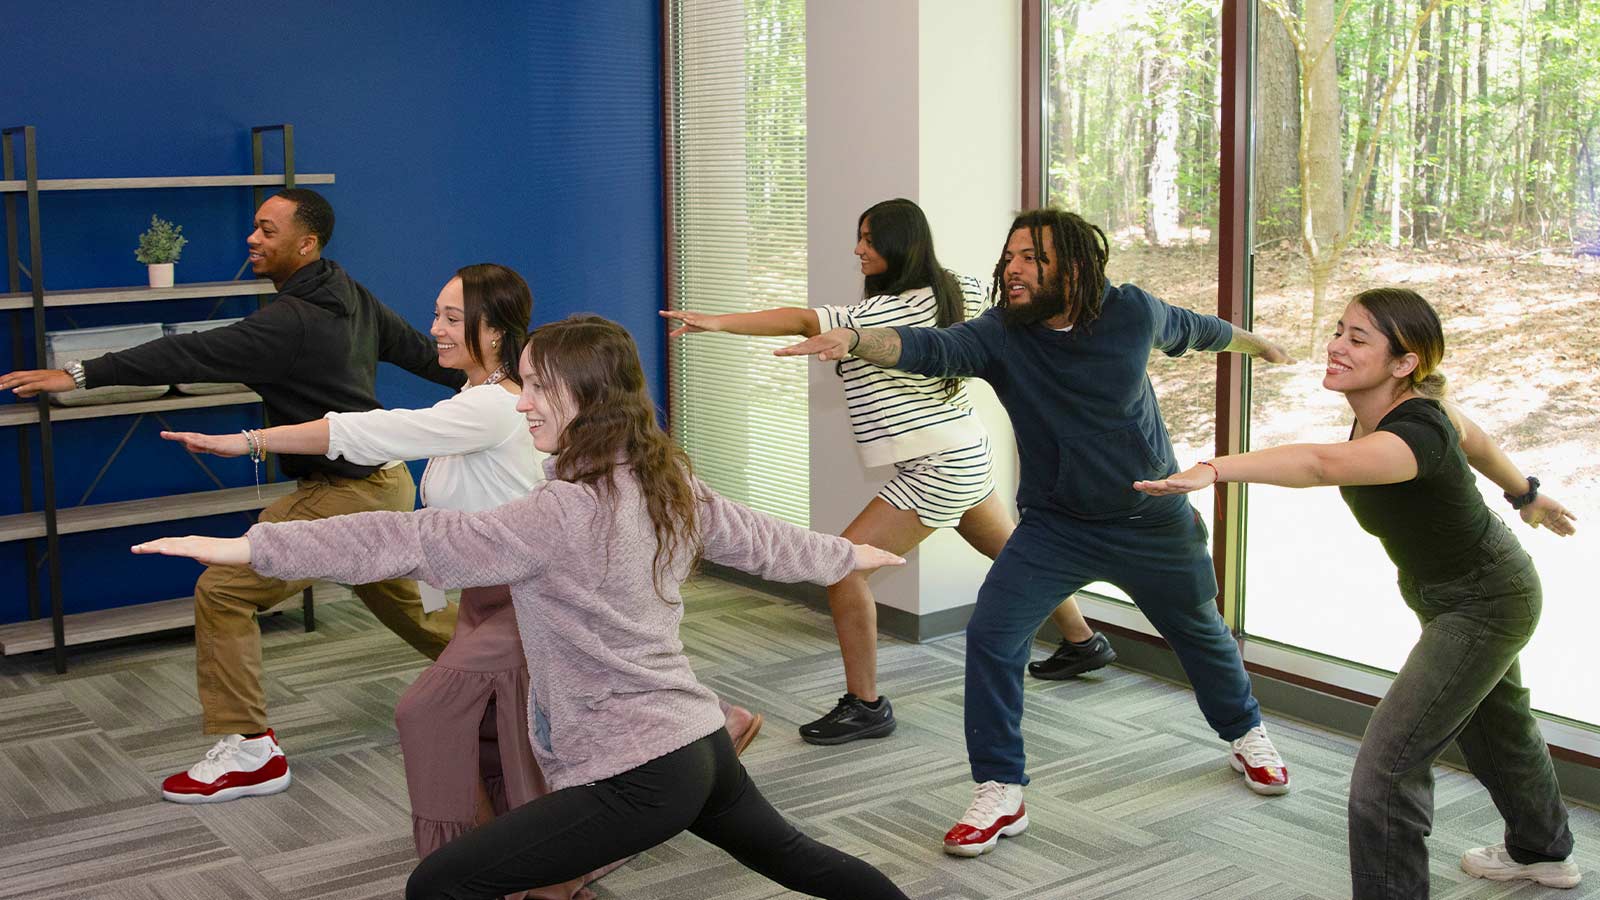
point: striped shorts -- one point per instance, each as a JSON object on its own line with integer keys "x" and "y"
{"x": 941, "y": 487}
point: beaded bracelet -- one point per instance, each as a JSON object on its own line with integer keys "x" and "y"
{"x": 256, "y": 443}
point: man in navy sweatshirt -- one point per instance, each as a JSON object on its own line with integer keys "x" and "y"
{"x": 1066, "y": 353}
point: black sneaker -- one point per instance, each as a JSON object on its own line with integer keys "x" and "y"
{"x": 851, "y": 720}
{"x": 1075, "y": 659}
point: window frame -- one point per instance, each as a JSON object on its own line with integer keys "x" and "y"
{"x": 1569, "y": 739}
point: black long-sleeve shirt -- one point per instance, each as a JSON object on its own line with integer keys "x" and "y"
{"x": 312, "y": 350}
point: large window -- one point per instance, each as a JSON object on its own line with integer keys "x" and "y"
{"x": 736, "y": 161}
{"x": 1132, "y": 145}
{"x": 1447, "y": 147}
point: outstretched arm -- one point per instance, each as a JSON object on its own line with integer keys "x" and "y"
{"x": 31, "y": 382}
{"x": 879, "y": 346}
{"x": 445, "y": 548}
{"x": 1378, "y": 458}
{"x": 782, "y": 321}
{"x": 1486, "y": 456}
{"x": 1255, "y": 345}
{"x": 306, "y": 438}
{"x": 737, "y": 536}
{"x": 257, "y": 350}
{"x": 1178, "y": 330}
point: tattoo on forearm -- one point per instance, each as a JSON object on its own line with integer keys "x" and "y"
{"x": 879, "y": 346}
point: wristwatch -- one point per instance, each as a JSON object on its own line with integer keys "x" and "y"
{"x": 75, "y": 369}
{"x": 1519, "y": 501}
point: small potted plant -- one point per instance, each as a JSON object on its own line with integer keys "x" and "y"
{"x": 159, "y": 248}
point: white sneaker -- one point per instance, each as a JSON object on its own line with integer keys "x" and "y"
{"x": 1495, "y": 864}
{"x": 234, "y": 768}
{"x": 1258, "y": 761}
{"x": 996, "y": 812}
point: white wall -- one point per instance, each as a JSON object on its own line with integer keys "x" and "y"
{"x": 861, "y": 122}
{"x": 969, "y": 182}
{"x": 919, "y": 100}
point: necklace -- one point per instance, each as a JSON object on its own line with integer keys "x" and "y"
{"x": 495, "y": 377}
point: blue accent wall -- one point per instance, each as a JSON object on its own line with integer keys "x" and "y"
{"x": 521, "y": 133}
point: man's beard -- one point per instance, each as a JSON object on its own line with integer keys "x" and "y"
{"x": 1047, "y": 303}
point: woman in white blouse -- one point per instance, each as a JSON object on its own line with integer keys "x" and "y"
{"x": 480, "y": 455}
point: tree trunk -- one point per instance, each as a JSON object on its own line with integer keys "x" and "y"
{"x": 1141, "y": 122}
{"x": 1162, "y": 174}
{"x": 1321, "y": 174}
{"x": 1366, "y": 134}
{"x": 1065, "y": 185}
{"x": 1213, "y": 119}
{"x": 1108, "y": 186}
{"x": 1436, "y": 151}
{"x": 1481, "y": 149}
{"x": 1277, "y": 167}
{"x": 1424, "y": 137}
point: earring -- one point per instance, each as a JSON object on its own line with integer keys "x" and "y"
{"x": 495, "y": 342}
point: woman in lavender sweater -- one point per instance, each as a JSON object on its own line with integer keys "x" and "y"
{"x": 459, "y": 773}
{"x": 632, "y": 744}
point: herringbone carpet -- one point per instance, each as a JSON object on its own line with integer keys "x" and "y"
{"x": 1131, "y": 796}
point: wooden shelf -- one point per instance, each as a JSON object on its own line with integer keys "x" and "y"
{"x": 100, "y": 516}
{"x": 140, "y": 294}
{"x": 109, "y": 624}
{"x": 28, "y": 413}
{"x": 176, "y": 181}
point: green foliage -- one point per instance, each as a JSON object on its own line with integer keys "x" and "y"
{"x": 162, "y": 243}
{"x": 1511, "y": 151}
{"x": 1114, "y": 67}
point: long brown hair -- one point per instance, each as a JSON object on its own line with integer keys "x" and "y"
{"x": 614, "y": 424}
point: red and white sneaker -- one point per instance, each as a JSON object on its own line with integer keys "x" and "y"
{"x": 1258, "y": 761}
{"x": 234, "y": 768}
{"x": 996, "y": 812}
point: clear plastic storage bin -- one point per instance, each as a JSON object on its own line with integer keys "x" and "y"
{"x": 203, "y": 387}
{"x": 61, "y": 347}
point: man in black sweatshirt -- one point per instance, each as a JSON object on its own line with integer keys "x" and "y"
{"x": 312, "y": 350}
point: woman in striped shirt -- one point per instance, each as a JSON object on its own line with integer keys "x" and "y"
{"x": 925, "y": 427}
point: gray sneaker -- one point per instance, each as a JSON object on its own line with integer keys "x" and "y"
{"x": 1495, "y": 864}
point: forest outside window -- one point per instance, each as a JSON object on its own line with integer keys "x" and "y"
{"x": 1448, "y": 146}
{"x": 1132, "y": 144}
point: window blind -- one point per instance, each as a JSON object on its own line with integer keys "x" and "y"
{"x": 736, "y": 173}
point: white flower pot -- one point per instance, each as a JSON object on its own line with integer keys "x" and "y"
{"x": 160, "y": 274}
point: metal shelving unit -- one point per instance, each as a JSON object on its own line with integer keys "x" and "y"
{"x": 46, "y": 520}
{"x": 190, "y": 291}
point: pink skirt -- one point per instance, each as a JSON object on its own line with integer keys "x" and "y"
{"x": 464, "y": 723}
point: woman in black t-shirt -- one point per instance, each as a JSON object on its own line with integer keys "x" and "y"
{"x": 1406, "y": 474}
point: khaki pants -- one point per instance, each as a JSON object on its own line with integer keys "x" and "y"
{"x": 226, "y": 599}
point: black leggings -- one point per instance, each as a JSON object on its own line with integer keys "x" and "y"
{"x": 701, "y": 788}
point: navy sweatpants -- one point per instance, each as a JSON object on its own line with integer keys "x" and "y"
{"x": 1164, "y": 565}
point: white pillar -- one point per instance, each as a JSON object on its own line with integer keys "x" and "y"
{"x": 918, "y": 100}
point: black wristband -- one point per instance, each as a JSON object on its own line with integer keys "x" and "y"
{"x": 1518, "y": 502}
{"x": 855, "y": 343}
